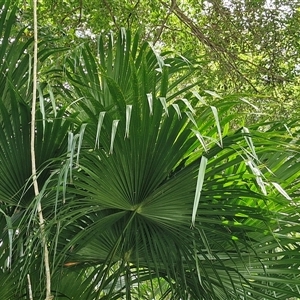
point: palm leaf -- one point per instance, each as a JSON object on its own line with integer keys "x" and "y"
{"x": 137, "y": 187}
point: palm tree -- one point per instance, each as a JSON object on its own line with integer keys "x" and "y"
{"x": 146, "y": 191}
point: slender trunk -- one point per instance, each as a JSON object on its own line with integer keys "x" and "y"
{"x": 29, "y": 288}
{"x": 33, "y": 160}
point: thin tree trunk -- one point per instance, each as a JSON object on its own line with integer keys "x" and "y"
{"x": 33, "y": 160}
{"x": 29, "y": 287}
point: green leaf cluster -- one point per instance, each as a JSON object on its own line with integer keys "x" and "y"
{"x": 149, "y": 186}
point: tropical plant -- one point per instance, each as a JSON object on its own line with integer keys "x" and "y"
{"x": 148, "y": 189}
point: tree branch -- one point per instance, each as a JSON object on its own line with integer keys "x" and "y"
{"x": 110, "y": 12}
{"x": 224, "y": 55}
{"x": 163, "y": 25}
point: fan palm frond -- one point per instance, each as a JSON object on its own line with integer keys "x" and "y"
{"x": 154, "y": 155}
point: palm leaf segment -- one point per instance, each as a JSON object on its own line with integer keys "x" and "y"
{"x": 149, "y": 145}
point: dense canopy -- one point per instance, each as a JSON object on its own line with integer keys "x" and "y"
{"x": 249, "y": 47}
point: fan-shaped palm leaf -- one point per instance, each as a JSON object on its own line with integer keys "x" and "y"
{"x": 145, "y": 141}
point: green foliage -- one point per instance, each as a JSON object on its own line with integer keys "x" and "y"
{"x": 150, "y": 188}
{"x": 251, "y": 47}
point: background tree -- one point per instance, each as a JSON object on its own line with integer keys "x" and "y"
{"x": 248, "y": 47}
